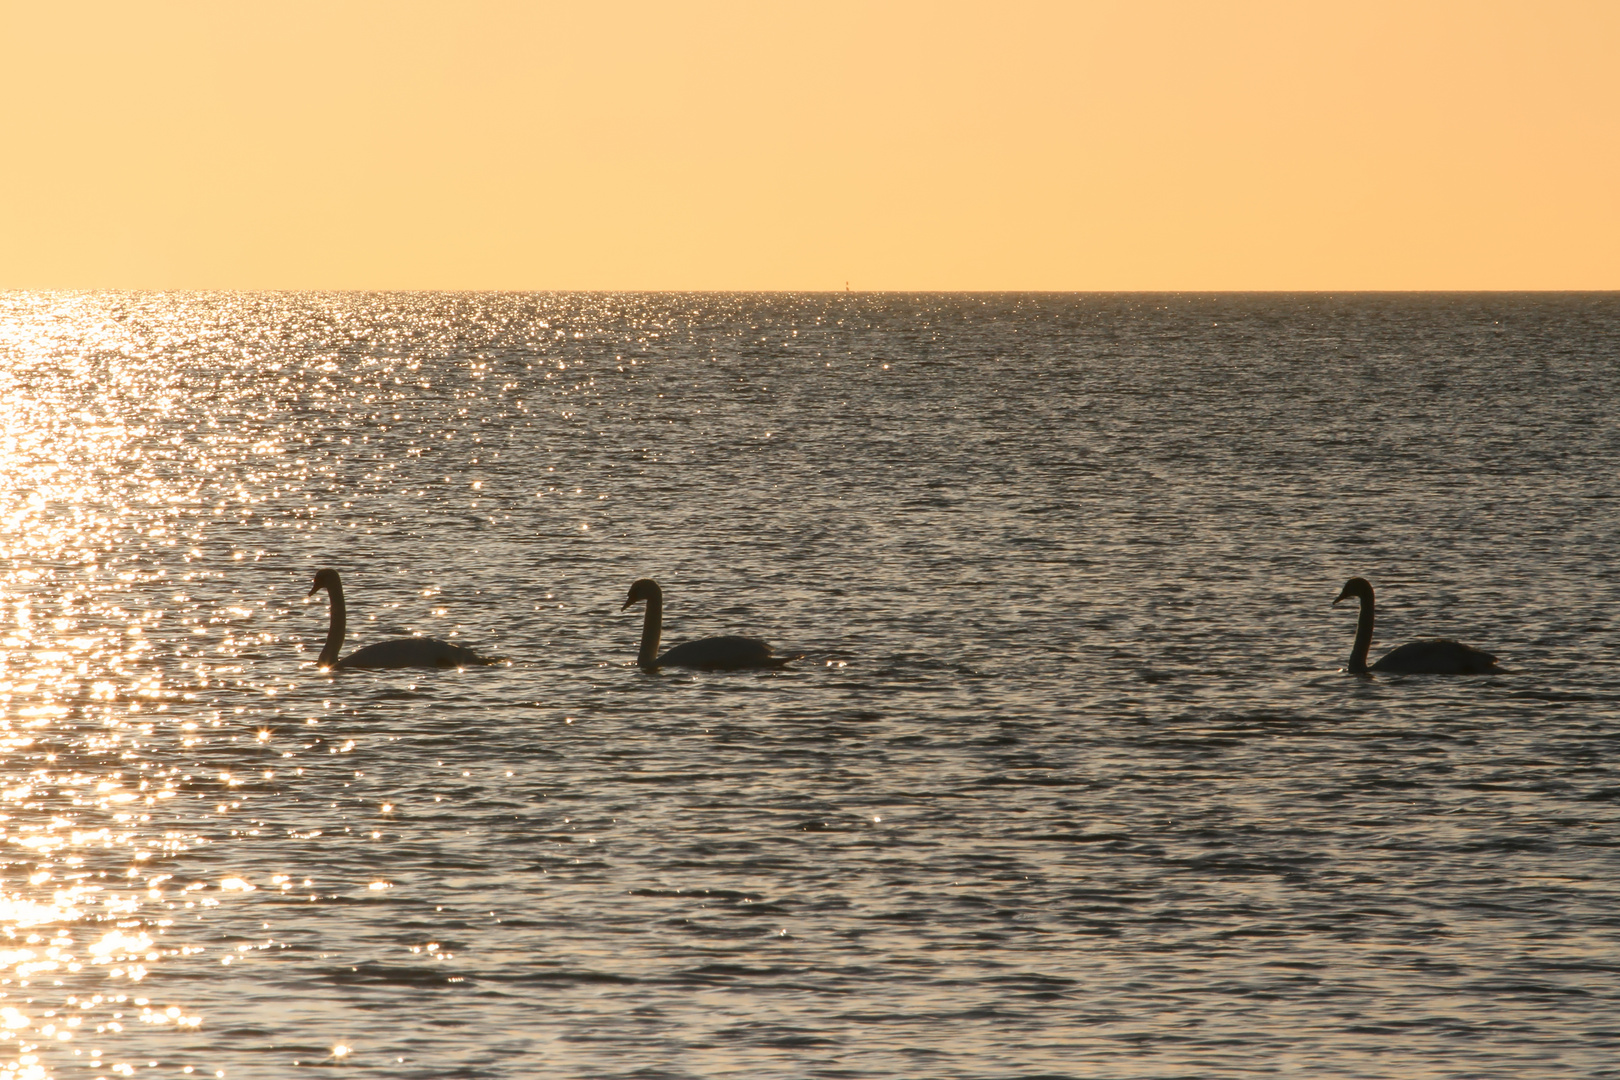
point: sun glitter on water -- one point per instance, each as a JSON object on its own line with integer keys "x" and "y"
{"x": 88, "y": 493}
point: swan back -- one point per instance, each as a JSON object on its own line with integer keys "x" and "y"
{"x": 728, "y": 653}
{"x": 1435, "y": 656}
{"x": 412, "y": 652}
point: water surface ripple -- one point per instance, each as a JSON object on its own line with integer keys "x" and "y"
{"x": 1071, "y": 782}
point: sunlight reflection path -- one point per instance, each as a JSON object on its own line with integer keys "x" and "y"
{"x": 104, "y": 494}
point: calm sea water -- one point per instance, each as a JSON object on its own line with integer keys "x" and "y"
{"x": 1070, "y": 782}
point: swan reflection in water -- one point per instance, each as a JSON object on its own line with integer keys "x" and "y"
{"x": 728, "y": 653}
{"x": 397, "y": 653}
{"x": 1435, "y": 656}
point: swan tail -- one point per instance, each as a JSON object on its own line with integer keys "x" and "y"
{"x": 471, "y": 659}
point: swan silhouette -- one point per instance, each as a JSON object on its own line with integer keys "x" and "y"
{"x": 1434, "y": 656}
{"x": 397, "y": 653}
{"x": 729, "y": 653}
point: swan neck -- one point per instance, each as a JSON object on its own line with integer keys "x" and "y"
{"x": 334, "y": 632}
{"x": 1364, "y": 632}
{"x": 652, "y": 628}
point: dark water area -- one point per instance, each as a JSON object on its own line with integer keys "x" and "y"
{"x": 1071, "y": 780}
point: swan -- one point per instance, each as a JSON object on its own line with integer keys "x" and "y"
{"x": 1434, "y": 656}
{"x": 398, "y": 653}
{"x": 729, "y": 653}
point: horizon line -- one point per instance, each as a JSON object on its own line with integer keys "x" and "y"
{"x": 115, "y": 290}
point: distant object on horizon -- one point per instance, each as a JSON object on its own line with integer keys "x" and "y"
{"x": 1434, "y": 656}
{"x": 396, "y": 653}
{"x": 729, "y": 653}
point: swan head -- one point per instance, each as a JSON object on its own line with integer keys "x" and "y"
{"x": 644, "y": 589}
{"x": 324, "y": 579}
{"x": 1356, "y": 588}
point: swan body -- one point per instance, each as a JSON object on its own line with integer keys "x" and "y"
{"x": 1433, "y": 656}
{"x": 396, "y": 653}
{"x": 728, "y": 653}
{"x": 410, "y": 652}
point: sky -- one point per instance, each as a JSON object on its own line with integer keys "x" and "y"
{"x": 904, "y": 145}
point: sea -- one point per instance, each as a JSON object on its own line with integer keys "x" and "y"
{"x": 1068, "y": 780}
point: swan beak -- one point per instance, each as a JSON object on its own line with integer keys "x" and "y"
{"x": 626, "y": 604}
{"x": 1342, "y": 596}
{"x": 313, "y": 589}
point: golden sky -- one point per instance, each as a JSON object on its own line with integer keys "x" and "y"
{"x": 912, "y": 144}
